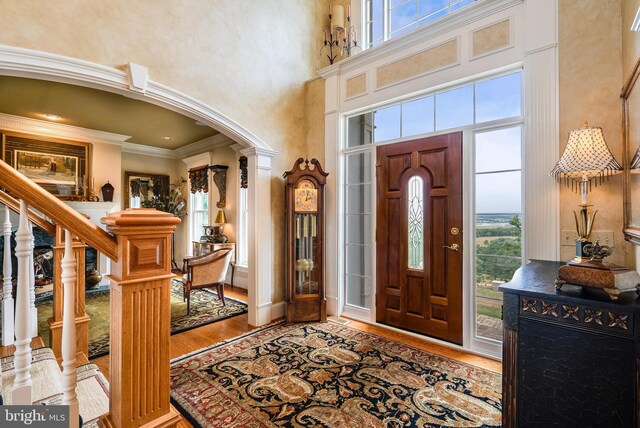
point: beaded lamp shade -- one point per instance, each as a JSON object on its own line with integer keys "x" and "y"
{"x": 585, "y": 159}
{"x": 634, "y": 166}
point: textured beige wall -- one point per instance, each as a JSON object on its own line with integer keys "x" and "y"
{"x": 315, "y": 120}
{"x": 106, "y": 160}
{"x": 417, "y": 64}
{"x": 590, "y": 80}
{"x": 492, "y": 38}
{"x": 248, "y": 59}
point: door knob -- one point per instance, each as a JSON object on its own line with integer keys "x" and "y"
{"x": 454, "y": 247}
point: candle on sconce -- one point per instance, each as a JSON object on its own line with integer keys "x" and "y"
{"x": 349, "y": 12}
{"x": 325, "y": 36}
{"x": 338, "y": 16}
{"x": 329, "y": 10}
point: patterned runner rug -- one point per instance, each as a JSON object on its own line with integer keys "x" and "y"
{"x": 206, "y": 308}
{"x": 330, "y": 375}
{"x": 92, "y": 387}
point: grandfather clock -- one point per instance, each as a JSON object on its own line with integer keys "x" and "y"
{"x": 304, "y": 207}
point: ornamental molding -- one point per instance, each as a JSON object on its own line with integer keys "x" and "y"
{"x": 26, "y": 125}
{"x": 21, "y": 62}
{"x": 444, "y": 25}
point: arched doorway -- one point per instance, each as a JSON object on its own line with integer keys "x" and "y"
{"x": 28, "y": 63}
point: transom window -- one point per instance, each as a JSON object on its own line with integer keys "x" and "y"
{"x": 386, "y": 19}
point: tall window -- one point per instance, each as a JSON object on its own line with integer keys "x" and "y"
{"x": 498, "y": 243}
{"x": 243, "y": 231}
{"x": 198, "y": 213}
{"x": 494, "y": 102}
{"x": 386, "y": 19}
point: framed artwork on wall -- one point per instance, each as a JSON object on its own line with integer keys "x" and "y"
{"x": 61, "y": 167}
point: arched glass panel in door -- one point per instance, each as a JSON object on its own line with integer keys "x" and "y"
{"x": 415, "y": 216}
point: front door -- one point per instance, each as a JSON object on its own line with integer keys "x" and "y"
{"x": 419, "y": 236}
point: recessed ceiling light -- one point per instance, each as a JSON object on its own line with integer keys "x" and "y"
{"x": 51, "y": 116}
{"x": 167, "y": 138}
{"x": 200, "y": 123}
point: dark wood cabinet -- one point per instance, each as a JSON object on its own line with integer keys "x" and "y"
{"x": 570, "y": 357}
{"x": 304, "y": 267}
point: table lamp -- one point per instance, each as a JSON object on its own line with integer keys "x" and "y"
{"x": 586, "y": 161}
{"x": 221, "y": 219}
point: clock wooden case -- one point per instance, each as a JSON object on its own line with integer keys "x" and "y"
{"x": 304, "y": 208}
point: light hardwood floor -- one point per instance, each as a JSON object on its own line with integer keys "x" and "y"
{"x": 204, "y": 336}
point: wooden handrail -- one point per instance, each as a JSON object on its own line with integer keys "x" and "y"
{"x": 37, "y": 219}
{"x": 54, "y": 208}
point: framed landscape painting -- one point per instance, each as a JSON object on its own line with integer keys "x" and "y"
{"x": 61, "y": 167}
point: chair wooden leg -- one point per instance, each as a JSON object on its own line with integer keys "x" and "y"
{"x": 221, "y": 293}
{"x": 188, "y": 300}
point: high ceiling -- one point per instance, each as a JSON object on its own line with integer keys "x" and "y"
{"x": 146, "y": 123}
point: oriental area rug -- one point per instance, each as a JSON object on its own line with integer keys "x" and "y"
{"x": 330, "y": 375}
{"x": 206, "y": 308}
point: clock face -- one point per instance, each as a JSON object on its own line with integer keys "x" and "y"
{"x": 306, "y": 197}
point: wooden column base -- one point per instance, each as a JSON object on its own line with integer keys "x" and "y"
{"x": 170, "y": 420}
{"x": 82, "y": 336}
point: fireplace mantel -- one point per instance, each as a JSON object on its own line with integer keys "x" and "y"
{"x": 96, "y": 211}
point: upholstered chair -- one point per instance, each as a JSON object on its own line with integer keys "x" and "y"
{"x": 206, "y": 271}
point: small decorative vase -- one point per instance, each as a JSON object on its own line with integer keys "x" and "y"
{"x": 93, "y": 278}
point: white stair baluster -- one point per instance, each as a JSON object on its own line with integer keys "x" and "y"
{"x": 21, "y": 393}
{"x": 33, "y": 312}
{"x": 7, "y": 297}
{"x": 69, "y": 377}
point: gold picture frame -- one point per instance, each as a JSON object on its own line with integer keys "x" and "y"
{"x": 62, "y": 167}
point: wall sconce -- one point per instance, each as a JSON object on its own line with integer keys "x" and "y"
{"x": 585, "y": 160}
{"x": 340, "y": 37}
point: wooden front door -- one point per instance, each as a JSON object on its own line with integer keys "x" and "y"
{"x": 419, "y": 236}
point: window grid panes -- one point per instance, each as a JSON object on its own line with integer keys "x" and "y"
{"x": 358, "y": 243}
{"x": 498, "y": 218}
{"x": 402, "y": 16}
{"x": 198, "y": 214}
{"x": 475, "y": 103}
{"x": 415, "y": 222}
{"x": 243, "y": 231}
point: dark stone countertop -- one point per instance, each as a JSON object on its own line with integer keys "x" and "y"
{"x": 537, "y": 279}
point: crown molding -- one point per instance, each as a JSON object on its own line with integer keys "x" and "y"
{"x": 21, "y": 62}
{"x": 201, "y": 146}
{"x": 197, "y": 160}
{"x": 444, "y": 25}
{"x": 26, "y": 125}
{"x": 206, "y": 144}
{"x": 141, "y": 149}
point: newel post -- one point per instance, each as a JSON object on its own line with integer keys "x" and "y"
{"x": 140, "y": 319}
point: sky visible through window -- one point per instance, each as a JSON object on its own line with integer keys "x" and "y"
{"x": 478, "y": 102}
{"x": 403, "y": 16}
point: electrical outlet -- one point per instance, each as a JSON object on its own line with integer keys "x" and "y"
{"x": 604, "y": 236}
{"x": 568, "y": 238}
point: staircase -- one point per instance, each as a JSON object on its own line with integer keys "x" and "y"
{"x": 138, "y": 242}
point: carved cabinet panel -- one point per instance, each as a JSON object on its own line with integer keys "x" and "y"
{"x": 570, "y": 357}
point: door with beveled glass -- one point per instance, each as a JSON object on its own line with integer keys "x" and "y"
{"x": 419, "y": 236}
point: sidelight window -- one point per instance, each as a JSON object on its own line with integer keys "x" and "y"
{"x": 415, "y": 222}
